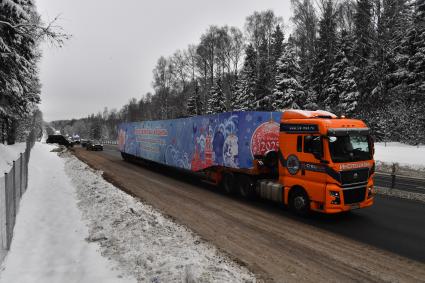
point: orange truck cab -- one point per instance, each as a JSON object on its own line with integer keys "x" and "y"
{"x": 325, "y": 162}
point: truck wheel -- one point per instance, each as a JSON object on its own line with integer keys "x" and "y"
{"x": 229, "y": 183}
{"x": 246, "y": 186}
{"x": 299, "y": 202}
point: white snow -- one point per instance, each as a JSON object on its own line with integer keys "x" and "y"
{"x": 403, "y": 154}
{"x": 49, "y": 237}
{"x": 145, "y": 243}
{"x": 70, "y": 216}
{"x": 9, "y": 153}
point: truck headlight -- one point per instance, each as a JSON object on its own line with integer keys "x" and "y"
{"x": 336, "y": 197}
{"x": 370, "y": 192}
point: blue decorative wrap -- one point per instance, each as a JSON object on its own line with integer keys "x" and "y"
{"x": 227, "y": 139}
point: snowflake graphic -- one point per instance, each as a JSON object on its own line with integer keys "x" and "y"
{"x": 248, "y": 118}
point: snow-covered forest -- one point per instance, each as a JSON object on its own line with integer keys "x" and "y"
{"x": 21, "y": 31}
{"x": 359, "y": 58}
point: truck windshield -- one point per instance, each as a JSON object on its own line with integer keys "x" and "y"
{"x": 349, "y": 148}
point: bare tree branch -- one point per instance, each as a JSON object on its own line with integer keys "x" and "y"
{"x": 50, "y": 32}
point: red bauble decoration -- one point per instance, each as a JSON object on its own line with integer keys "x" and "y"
{"x": 265, "y": 138}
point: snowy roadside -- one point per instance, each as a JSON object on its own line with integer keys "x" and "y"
{"x": 410, "y": 159}
{"x": 145, "y": 244}
{"x": 403, "y": 154}
{"x": 48, "y": 243}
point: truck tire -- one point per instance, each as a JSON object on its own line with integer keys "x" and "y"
{"x": 228, "y": 183}
{"x": 299, "y": 202}
{"x": 246, "y": 186}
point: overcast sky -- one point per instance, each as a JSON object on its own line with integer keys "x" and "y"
{"x": 115, "y": 46}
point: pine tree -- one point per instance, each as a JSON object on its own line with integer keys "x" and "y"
{"x": 198, "y": 101}
{"x": 325, "y": 49}
{"x": 417, "y": 61}
{"x": 400, "y": 46}
{"x": 393, "y": 19}
{"x": 304, "y": 37}
{"x": 191, "y": 106}
{"x": 246, "y": 84}
{"x": 194, "y": 103}
{"x": 277, "y": 47}
{"x": 416, "y": 65}
{"x": 405, "y": 79}
{"x": 364, "y": 35}
{"x": 263, "y": 80}
{"x": 216, "y": 101}
{"x": 363, "y": 32}
{"x": 341, "y": 90}
{"x": 19, "y": 84}
{"x": 288, "y": 92}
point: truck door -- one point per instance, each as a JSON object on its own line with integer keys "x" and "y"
{"x": 300, "y": 163}
{"x": 313, "y": 172}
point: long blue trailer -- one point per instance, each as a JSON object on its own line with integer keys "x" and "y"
{"x": 308, "y": 160}
{"x": 229, "y": 139}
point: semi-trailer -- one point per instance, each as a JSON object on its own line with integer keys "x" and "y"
{"x": 306, "y": 160}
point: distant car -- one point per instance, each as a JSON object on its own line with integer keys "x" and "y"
{"x": 84, "y": 142}
{"x": 94, "y": 145}
{"x": 76, "y": 139}
{"x": 59, "y": 139}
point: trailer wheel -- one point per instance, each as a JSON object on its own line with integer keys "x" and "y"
{"x": 228, "y": 183}
{"x": 246, "y": 186}
{"x": 299, "y": 202}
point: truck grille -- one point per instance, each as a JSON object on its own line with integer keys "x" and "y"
{"x": 354, "y": 195}
{"x": 354, "y": 176}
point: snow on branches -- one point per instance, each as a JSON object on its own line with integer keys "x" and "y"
{"x": 21, "y": 30}
{"x": 288, "y": 92}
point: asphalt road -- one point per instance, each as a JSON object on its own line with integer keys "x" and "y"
{"x": 111, "y": 150}
{"x": 396, "y": 225}
{"x": 384, "y": 240}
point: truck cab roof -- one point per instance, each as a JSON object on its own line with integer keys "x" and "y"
{"x": 327, "y": 123}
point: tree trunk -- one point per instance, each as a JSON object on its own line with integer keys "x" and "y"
{"x": 3, "y": 130}
{"x": 11, "y": 131}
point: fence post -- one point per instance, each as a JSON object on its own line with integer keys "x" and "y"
{"x": 3, "y": 214}
{"x": 21, "y": 175}
{"x": 7, "y": 211}
{"x": 14, "y": 190}
{"x": 26, "y": 168}
{"x": 393, "y": 176}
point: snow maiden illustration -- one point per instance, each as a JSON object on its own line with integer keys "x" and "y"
{"x": 225, "y": 143}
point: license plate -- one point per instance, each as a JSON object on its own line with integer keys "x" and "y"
{"x": 355, "y": 206}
